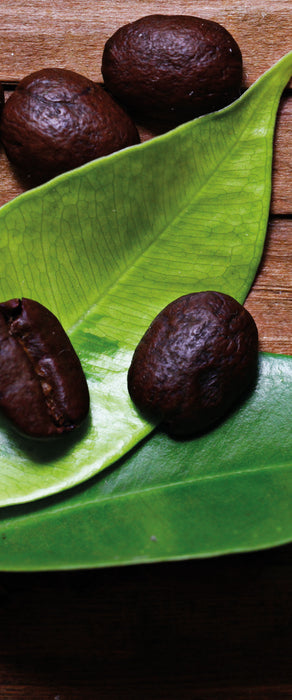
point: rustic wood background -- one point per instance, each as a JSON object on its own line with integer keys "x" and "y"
{"x": 218, "y": 629}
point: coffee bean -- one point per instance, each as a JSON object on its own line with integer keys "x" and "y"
{"x": 195, "y": 361}
{"x": 57, "y": 119}
{"x": 43, "y": 390}
{"x": 172, "y": 68}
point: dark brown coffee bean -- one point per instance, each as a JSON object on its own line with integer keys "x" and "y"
{"x": 172, "y": 68}
{"x": 57, "y": 119}
{"x": 43, "y": 390}
{"x": 196, "y": 359}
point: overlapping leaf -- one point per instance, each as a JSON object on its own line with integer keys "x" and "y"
{"x": 105, "y": 247}
{"x": 228, "y": 491}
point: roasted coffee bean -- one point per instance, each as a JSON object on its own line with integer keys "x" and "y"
{"x": 172, "y": 68}
{"x": 194, "y": 362}
{"x": 56, "y": 120}
{"x": 43, "y": 390}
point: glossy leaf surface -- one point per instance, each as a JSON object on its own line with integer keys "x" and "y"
{"x": 105, "y": 247}
{"x": 227, "y": 491}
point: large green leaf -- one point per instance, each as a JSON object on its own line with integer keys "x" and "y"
{"x": 106, "y": 246}
{"x": 228, "y": 491}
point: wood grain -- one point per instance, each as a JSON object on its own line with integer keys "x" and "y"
{"x": 270, "y": 299}
{"x": 282, "y": 164}
{"x": 199, "y": 630}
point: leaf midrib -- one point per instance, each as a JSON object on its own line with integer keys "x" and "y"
{"x": 165, "y": 487}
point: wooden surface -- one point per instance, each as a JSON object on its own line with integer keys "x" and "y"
{"x": 217, "y": 629}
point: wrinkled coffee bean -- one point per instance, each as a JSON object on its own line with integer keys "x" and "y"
{"x": 56, "y": 120}
{"x": 43, "y": 390}
{"x": 194, "y": 362}
{"x": 172, "y": 67}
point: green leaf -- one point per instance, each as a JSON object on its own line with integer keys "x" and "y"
{"x": 228, "y": 491}
{"x": 105, "y": 247}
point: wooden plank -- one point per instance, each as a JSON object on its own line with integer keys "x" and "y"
{"x": 34, "y": 33}
{"x": 212, "y": 629}
{"x": 270, "y": 299}
{"x": 281, "y": 202}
